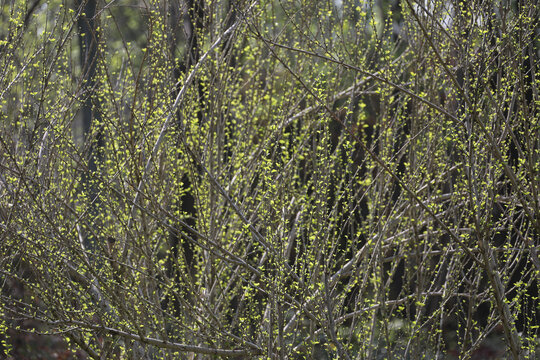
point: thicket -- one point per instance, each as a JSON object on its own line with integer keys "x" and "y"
{"x": 270, "y": 179}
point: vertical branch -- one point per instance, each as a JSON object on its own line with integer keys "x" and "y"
{"x": 88, "y": 41}
{"x": 193, "y": 25}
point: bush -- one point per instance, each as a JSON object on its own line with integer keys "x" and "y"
{"x": 271, "y": 179}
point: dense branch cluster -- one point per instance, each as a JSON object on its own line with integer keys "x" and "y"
{"x": 271, "y": 179}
